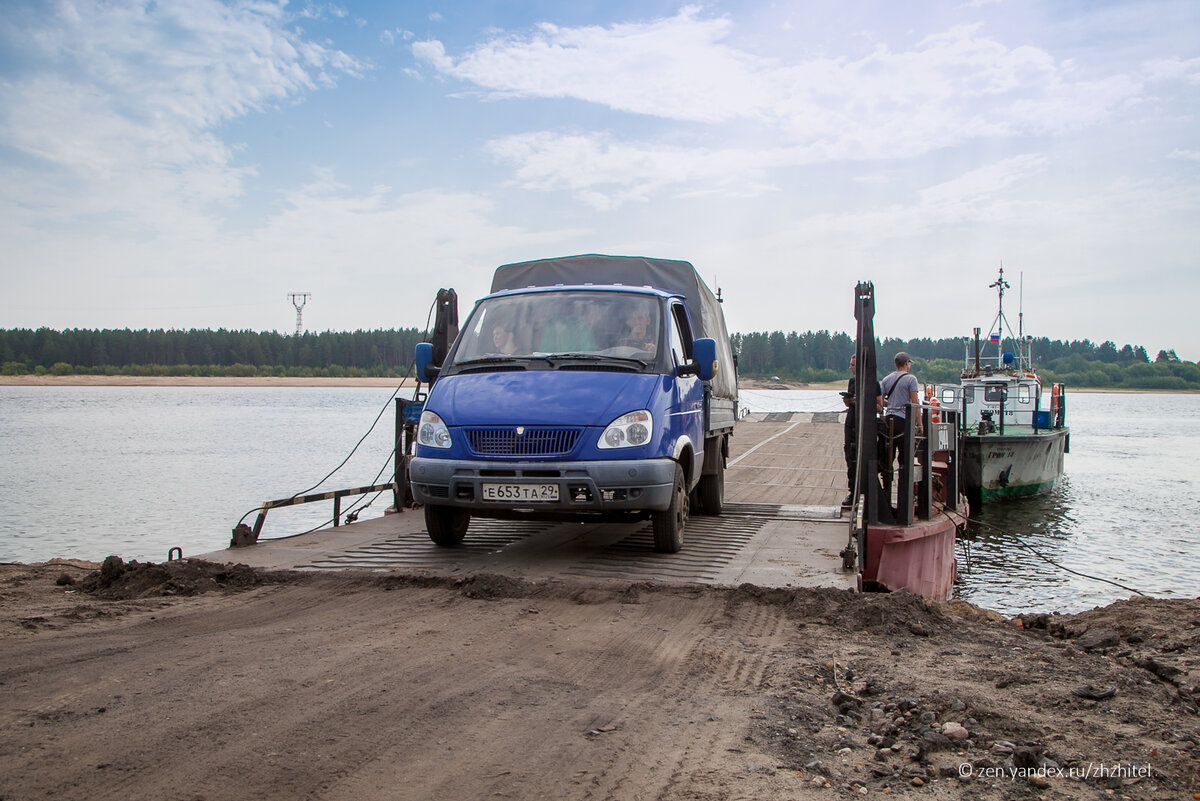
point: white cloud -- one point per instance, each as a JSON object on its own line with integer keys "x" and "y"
{"x": 122, "y": 99}
{"x": 949, "y": 88}
{"x": 676, "y": 68}
{"x": 318, "y": 11}
{"x": 371, "y": 258}
{"x": 389, "y": 36}
{"x": 1173, "y": 69}
{"x": 983, "y": 182}
{"x": 931, "y": 256}
{"x": 680, "y": 68}
{"x": 605, "y": 172}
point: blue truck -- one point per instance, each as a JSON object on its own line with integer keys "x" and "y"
{"x": 582, "y": 388}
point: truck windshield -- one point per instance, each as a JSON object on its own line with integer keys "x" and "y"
{"x": 623, "y": 325}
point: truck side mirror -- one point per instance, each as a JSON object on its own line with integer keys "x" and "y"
{"x": 426, "y": 372}
{"x": 704, "y": 351}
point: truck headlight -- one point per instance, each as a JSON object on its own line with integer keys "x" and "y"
{"x": 628, "y": 431}
{"x": 432, "y": 432}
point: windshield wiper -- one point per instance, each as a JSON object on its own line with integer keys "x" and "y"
{"x": 596, "y": 357}
{"x": 487, "y": 360}
{"x": 504, "y": 360}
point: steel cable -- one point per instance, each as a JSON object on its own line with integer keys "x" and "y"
{"x": 375, "y": 422}
{"x": 1052, "y": 562}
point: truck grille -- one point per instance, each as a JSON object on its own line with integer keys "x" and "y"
{"x": 531, "y": 442}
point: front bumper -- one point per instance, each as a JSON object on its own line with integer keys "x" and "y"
{"x": 598, "y": 486}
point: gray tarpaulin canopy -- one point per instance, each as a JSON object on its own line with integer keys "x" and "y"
{"x": 677, "y": 277}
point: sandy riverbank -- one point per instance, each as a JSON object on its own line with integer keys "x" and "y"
{"x": 193, "y": 680}
{"x": 192, "y": 381}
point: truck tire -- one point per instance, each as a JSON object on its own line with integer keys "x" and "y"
{"x": 446, "y": 525}
{"x": 712, "y": 490}
{"x": 668, "y": 524}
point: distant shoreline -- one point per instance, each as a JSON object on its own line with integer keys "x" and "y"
{"x": 282, "y": 381}
{"x": 407, "y": 383}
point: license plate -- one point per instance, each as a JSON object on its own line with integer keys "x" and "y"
{"x": 534, "y": 493}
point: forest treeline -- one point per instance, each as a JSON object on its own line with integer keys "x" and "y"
{"x": 205, "y": 352}
{"x": 810, "y": 357}
{"x": 821, "y": 357}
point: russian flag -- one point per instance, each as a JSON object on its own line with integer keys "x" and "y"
{"x": 994, "y": 337}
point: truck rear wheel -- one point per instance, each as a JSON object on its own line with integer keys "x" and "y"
{"x": 445, "y": 524}
{"x": 668, "y": 524}
{"x": 712, "y": 490}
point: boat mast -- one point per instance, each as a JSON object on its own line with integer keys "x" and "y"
{"x": 998, "y": 326}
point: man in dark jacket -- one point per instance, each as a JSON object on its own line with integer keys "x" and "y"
{"x": 851, "y": 435}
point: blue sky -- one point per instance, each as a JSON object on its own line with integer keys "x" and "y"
{"x": 189, "y": 163}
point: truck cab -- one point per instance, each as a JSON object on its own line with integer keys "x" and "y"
{"x": 575, "y": 400}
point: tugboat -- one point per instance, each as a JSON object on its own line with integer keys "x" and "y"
{"x": 1012, "y": 443}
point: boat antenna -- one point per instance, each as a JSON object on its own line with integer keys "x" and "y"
{"x": 1021, "y": 307}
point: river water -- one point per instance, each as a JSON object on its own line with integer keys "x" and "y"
{"x": 136, "y": 471}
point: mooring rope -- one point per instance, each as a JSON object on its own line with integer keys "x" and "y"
{"x": 1052, "y": 562}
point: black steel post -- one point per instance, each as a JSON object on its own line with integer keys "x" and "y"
{"x": 401, "y": 480}
{"x": 904, "y": 480}
{"x": 952, "y": 471}
{"x": 925, "y": 488}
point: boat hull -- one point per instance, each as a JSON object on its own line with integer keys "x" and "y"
{"x": 1014, "y": 464}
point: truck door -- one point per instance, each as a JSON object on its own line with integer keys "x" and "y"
{"x": 687, "y": 402}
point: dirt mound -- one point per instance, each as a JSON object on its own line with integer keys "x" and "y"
{"x": 490, "y": 587}
{"x": 1156, "y": 635}
{"x": 117, "y": 580}
{"x": 890, "y": 613}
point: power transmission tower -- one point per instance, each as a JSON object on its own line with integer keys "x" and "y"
{"x": 298, "y": 300}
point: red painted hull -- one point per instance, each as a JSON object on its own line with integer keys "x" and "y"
{"x": 918, "y": 558}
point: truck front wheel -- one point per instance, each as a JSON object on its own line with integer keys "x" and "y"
{"x": 445, "y": 524}
{"x": 668, "y": 524}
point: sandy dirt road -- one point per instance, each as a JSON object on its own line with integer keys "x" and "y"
{"x": 369, "y": 687}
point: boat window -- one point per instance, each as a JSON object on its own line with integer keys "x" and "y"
{"x": 1023, "y": 393}
{"x": 949, "y": 397}
{"x": 994, "y": 393}
{"x": 621, "y": 324}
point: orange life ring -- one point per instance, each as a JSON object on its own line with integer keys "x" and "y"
{"x": 932, "y": 400}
